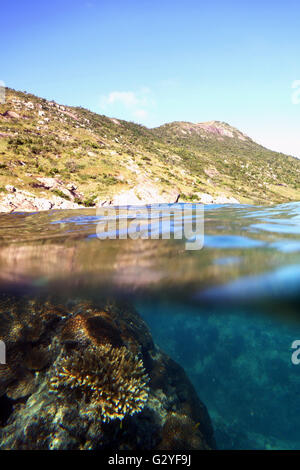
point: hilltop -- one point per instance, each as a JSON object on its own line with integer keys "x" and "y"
{"x": 57, "y": 156}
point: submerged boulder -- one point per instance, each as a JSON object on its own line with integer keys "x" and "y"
{"x": 84, "y": 376}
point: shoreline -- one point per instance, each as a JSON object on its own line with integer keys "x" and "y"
{"x": 23, "y": 201}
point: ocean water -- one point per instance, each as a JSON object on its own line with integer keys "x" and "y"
{"x": 228, "y": 313}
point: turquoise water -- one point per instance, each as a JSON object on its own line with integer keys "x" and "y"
{"x": 228, "y": 313}
{"x": 239, "y": 361}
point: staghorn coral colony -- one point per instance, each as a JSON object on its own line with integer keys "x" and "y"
{"x": 113, "y": 380}
{"x": 75, "y": 371}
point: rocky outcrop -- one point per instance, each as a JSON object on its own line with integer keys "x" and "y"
{"x": 205, "y": 198}
{"x": 225, "y": 200}
{"x": 11, "y": 114}
{"x": 143, "y": 193}
{"x": 83, "y": 376}
{"x": 212, "y": 129}
{"x": 54, "y": 184}
{"x": 24, "y": 201}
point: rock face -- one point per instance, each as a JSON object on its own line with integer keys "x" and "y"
{"x": 80, "y": 376}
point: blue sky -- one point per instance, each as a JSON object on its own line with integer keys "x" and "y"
{"x": 159, "y": 61}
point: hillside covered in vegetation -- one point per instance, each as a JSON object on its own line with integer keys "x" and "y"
{"x": 71, "y": 156}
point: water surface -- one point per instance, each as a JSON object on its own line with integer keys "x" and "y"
{"x": 228, "y": 313}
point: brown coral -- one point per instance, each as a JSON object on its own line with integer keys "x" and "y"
{"x": 93, "y": 327}
{"x": 113, "y": 380}
{"x": 180, "y": 432}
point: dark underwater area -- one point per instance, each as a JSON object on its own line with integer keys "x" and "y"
{"x": 227, "y": 314}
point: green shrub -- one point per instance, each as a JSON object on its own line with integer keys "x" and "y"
{"x": 61, "y": 194}
{"x": 89, "y": 201}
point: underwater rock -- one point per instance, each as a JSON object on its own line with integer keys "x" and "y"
{"x": 85, "y": 376}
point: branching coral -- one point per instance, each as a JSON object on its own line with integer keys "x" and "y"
{"x": 113, "y": 380}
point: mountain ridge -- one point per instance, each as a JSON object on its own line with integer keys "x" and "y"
{"x": 58, "y": 156}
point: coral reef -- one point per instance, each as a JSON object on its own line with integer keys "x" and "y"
{"x": 77, "y": 370}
